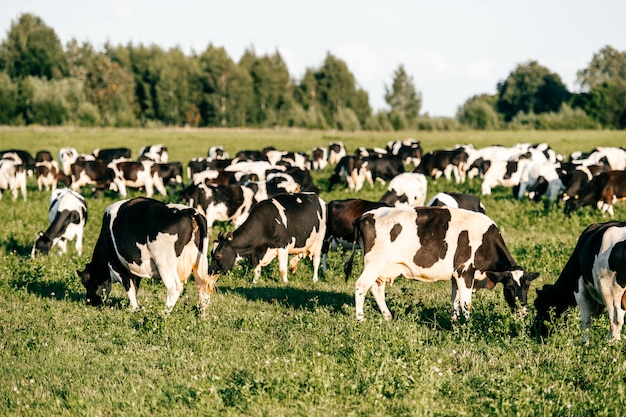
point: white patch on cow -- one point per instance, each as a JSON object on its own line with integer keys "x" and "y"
{"x": 517, "y": 276}
{"x": 446, "y": 199}
{"x": 281, "y": 212}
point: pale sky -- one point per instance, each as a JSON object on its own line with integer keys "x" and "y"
{"x": 452, "y": 49}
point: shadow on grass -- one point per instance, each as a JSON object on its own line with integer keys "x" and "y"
{"x": 295, "y": 298}
{"x": 12, "y": 245}
{"x": 47, "y": 289}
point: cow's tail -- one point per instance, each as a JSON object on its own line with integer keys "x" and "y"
{"x": 347, "y": 267}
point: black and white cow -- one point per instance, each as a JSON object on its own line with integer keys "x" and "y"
{"x": 444, "y": 162}
{"x": 220, "y": 202}
{"x": 380, "y": 168}
{"x": 319, "y": 158}
{"x": 91, "y": 172}
{"x": 593, "y": 278}
{"x": 27, "y": 160}
{"x": 340, "y": 217}
{"x": 410, "y": 150}
{"x": 171, "y": 174}
{"x": 336, "y": 151}
{"x": 435, "y": 244}
{"x": 146, "y": 238}
{"x": 111, "y": 154}
{"x": 217, "y": 152}
{"x": 67, "y": 216}
{"x": 602, "y": 191}
{"x": 12, "y": 175}
{"x": 407, "y": 188}
{"x": 503, "y": 173}
{"x": 287, "y": 224}
{"x": 348, "y": 170}
{"x": 156, "y": 153}
{"x": 137, "y": 174}
{"x": 67, "y": 156}
{"x": 457, "y": 200}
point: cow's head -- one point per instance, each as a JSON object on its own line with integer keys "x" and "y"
{"x": 572, "y": 204}
{"x": 97, "y": 284}
{"x": 223, "y": 256}
{"x": 43, "y": 244}
{"x": 516, "y": 284}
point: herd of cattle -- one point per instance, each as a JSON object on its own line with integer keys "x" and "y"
{"x": 271, "y": 198}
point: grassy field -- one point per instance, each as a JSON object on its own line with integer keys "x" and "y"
{"x": 274, "y": 349}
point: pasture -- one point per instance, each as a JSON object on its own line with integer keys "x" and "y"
{"x": 272, "y": 349}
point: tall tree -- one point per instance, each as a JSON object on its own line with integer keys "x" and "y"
{"x": 478, "y": 112}
{"x": 531, "y": 88}
{"x": 402, "y": 97}
{"x": 606, "y": 65}
{"x": 227, "y": 89}
{"x": 32, "y": 49}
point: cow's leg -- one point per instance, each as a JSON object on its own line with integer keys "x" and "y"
{"x": 612, "y": 295}
{"x": 62, "y": 244}
{"x": 133, "y": 287}
{"x": 362, "y": 285}
{"x": 316, "y": 259}
{"x": 149, "y": 188}
{"x": 378, "y": 291}
{"x": 79, "y": 241}
{"x": 283, "y": 260}
{"x": 461, "y": 298}
{"x": 586, "y": 306}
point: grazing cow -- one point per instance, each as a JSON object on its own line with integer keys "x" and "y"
{"x": 339, "y": 222}
{"x": 576, "y": 177}
{"x": 409, "y": 150}
{"x": 288, "y": 159}
{"x": 503, "y": 173}
{"x": 67, "y": 156}
{"x": 221, "y": 202}
{"x": 287, "y": 224}
{"x": 336, "y": 151}
{"x": 27, "y": 160}
{"x": 348, "y": 169}
{"x": 171, "y": 174}
{"x": 12, "y": 175}
{"x": 67, "y": 216}
{"x": 111, "y": 154}
{"x": 434, "y": 244}
{"x": 137, "y": 174}
{"x": 319, "y": 158}
{"x": 94, "y": 173}
{"x": 48, "y": 175}
{"x": 534, "y": 175}
{"x": 43, "y": 156}
{"x": 457, "y": 200}
{"x": 279, "y": 183}
{"x": 145, "y": 238}
{"x": 407, "y": 188}
{"x": 594, "y": 277}
{"x": 381, "y": 168}
{"x": 444, "y": 162}
{"x": 602, "y": 191}
{"x": 217, "y": 152}
{"x": 156, "y": 153}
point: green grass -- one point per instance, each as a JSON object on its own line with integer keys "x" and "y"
{"x": 294, "y": 349}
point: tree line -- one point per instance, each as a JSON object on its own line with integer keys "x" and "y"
{"x": 43, "y": 82}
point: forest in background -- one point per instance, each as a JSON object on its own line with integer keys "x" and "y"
{"x": 43, "y": 82}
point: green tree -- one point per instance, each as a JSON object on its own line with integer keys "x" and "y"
{"x": 403, "y": 99}
{"x": 8, "y": 100}
{"x": 227, "y": 89}
{"x": 606, "y": 66}
{"x": 531, "y": 88}
{"x": 478, "y": 112}
{"x": 32, "y": 49}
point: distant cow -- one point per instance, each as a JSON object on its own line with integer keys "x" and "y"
{"x": 435, "y": 244}
{"x": 12, "y": 175}
{"x": 145, "y": 238}
{"x": 407, "y": 188}
{"x": 221, "y": 202}
{"x": 67, "y": 216}
{"x": 287, "y": 224}
{"x": 457, "y": 200}
{"x": 27, "y": 160}
{"x": 111, "y": 154}
{"x": 94, "y": 173}
{"x": 156, "y": 153}
{"x": 171, "y": 174}
{"x": 67, "y": 156}
{"x": 319, "y": 158}
{"x": 137, "y": 174}
{"x": 339, "y": 222}
{"x": 49, "y": 175}
{"x": 444, "y": 162}
{"x": 593, "y": 278}
{"x": 602, "y": 191}
{"x": 503, "y": 173}
{"x": 381, "y": 168}
{"x": 409, "y": 150}
{"x": 348, "y": 170}
{"x": 336, "y": 151}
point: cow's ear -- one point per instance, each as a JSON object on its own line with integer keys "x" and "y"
{"x": 83, "y": 275}
{"x": 531, "y": 276}
{"x": 495, "y": 276}
{"x": 40, "y": 234}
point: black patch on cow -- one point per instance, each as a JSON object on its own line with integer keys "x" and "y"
{"x": 617, "y": 262}
{"x": 463, "y": 254}
{"x": 395, "y": 231}
{"x": 511, "y": 167}
{"x": 432, "y": 225}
